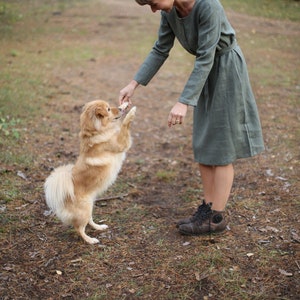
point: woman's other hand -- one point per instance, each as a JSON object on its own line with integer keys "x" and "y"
{"x": 177, "y": 114}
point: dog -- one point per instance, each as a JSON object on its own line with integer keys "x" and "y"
{"x": 71, "y": 190}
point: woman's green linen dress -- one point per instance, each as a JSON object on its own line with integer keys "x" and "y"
{"x": 226, "y": 122}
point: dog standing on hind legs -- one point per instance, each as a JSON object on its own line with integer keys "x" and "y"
{"x": 71, "y": 190}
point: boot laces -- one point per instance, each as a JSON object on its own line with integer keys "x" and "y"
{"x": 203, "y": 212}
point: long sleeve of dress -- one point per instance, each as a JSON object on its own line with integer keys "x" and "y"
{"x": 158, "y": 54}
{"x": 209, "y": 33}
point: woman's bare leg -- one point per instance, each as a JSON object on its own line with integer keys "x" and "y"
{"x": 217, "y": 183}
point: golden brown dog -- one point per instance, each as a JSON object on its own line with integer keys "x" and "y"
{"x": 71, "y": 190}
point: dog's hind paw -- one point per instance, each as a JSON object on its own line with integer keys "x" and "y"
{"x": 97, "y": 226}
{"x": 100, "y": 227}
{"x": 91, "y": 241}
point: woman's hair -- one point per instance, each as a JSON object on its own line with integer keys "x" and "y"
{"x": 143, "y": 2}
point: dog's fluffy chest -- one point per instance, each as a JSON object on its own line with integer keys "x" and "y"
{"x": 102, "y": 169}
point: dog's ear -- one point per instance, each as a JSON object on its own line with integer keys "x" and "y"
{"x": 101, "y": 112}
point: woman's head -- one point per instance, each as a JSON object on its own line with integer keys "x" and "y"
{"x": 143, "y": 2}
{"x": 165, "y": 5}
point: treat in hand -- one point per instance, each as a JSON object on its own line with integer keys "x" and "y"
{"x": 123, "y": 106}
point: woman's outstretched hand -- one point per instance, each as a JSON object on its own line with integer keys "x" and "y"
{"x": 127, "y": 92}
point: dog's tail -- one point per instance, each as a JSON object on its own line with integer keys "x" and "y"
{"x": 58, "y": 188}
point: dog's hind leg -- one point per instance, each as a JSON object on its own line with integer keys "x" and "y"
{"x": 97, "y": 226}
{"x": 80, "y": 222}
{"x": 88, "y": 239}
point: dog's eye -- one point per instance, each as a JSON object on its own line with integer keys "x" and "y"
{"x": 108, "y": 109}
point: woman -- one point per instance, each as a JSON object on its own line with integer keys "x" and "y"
{"x": 226, "y": 124}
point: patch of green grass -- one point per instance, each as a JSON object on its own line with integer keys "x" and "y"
{"x": 166, "y": 175}
{"x": 8, "y": 222}
{"x": 120, "y": 186}
{"x": 105, "y": 254}
{"x": 21, "y": 92}
{"x": 102, "y": 294}
{"x": 7, "y": 196}
{"x": 275, "y": 9}
{"x": 10, "y": 188}
{"x": 191, "y": 194}
{"x": 20, "y": 103}
{"x": 8, "y": 127}
{"x": 70, "y": 55}
{"x": 9, "y": 14}
{"x": 12, "y": 155}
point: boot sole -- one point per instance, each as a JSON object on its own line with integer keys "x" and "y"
{"x": 204, "y": 233}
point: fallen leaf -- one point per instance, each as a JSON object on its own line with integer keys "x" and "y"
{"x": 264, "y": 241}
{"x": 47, "y": 213}
{"x": 22, "y": 175}
{"x": 281, "y": 178}
{"x": 285, "y": 273}
{"x": 76, "y": 260}
{"x": 22, "y": 206}
{"x": 295, "y": 237}
{"x": 234, "y": 269}
{"x": 273, "y": 229}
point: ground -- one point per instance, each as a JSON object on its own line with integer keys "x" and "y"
{"x": 141, "y": 255}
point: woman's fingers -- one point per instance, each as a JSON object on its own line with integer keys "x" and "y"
{"x": 174, "y": 119}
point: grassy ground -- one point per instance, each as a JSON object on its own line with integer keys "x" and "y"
{"x": 55, "y": 56}
{"x": 275, "y": 9}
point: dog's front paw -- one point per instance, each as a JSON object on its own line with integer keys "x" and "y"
{"x": 130, "y": 116}
{"x": 132, "y": 111}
